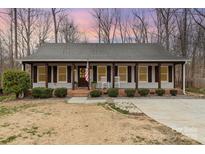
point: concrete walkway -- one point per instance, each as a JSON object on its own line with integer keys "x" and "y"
{"x": 184, "y": 115}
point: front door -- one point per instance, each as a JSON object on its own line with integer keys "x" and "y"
{"x": 81, "y": 77}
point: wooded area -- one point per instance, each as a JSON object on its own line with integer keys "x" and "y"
{"x": 180, "y": 31}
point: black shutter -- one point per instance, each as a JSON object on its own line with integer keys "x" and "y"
{"x": 149, "y": 73}
{"x": 116, "y": 71}
{"x": 69, "y": 74}
{"x": 156, "y": 73}
{"x": 35, "y": 74}
{"x": 49, "y": 74}
{"x": 170, "y": 73}
{"x": 55, "y": 74}
{"x": 108, "y": 73}
{"x": 95, "y": 73}
{"x": 129, "y": 73}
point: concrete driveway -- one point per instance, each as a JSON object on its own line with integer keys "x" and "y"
{"x": 184, "y": 115}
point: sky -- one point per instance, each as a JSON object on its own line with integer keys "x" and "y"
{"x": 82, "y": 18}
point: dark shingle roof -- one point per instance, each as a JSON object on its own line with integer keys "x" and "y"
{"x": 102, "y": 52}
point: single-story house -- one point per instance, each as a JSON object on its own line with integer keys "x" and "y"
{"x": 116, "y": 65}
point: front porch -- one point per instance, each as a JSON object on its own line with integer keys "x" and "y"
{"x": 122, "y": 75}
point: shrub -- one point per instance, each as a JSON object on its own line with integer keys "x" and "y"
{"x": 95, "y": 93}
{"x": 130, "y": 92}
{"x": 113, "y": 92}
{"x": 60, "y": 92}
{"x": 143, "y": 91}
{"x": 9, "y": 97}
{"x": 173, "y": 92}
{"x": 42, "y": 92}
{"x": 15, "y": 81}
{"x": 160, "y": 92}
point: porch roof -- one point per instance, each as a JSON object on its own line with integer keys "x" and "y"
{"x": 118, "y": 52}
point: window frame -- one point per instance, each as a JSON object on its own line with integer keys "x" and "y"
{"x": 38, "y": 67}
{"x": 167, "y": 73}
{"x": 126, "y": 81}
{"x": 105, "y": 66}
{"x": 144, "y": 73}
{"x": 58, "y": 73}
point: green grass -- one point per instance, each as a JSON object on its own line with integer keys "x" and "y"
{"x": 5, "y": 110}
{"x": 8, "y": 139}
{"x": 196, "y": 90}
{"x": 7, "y": 97}
{"x": 112, "y": 105}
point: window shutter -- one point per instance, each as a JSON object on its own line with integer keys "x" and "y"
{"x": 156, "y": 73}
{"x": 129, "y": 73}
{"x": 108, "y": 73}
{"x": 116, "y": 71}
{"x": 149, "y": 73}
{"x": 49, "y": 74}
{"x": 170, "y": 73}
{"x": 69, "y": 74}
{"x": 55, "y": 74}
{"x": 95, "y": 73}
{"x": 35, "y": 74}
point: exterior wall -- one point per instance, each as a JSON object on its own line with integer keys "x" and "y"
{"x": 152, "y": 84}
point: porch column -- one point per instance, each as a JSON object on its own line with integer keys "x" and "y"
{"x": 183, "y": 77}
{"x": 32, "y": 75}
{"x": 136, "y": 75}
{"x": 174, "y": 75}
{"x": 73, "y": 76}
{"x": 46, "y": 70}
{"x": 88, "y": 76}
{"x": 23, "y": 66}
{"x": 159, "y": 75}
{"x": 113, "y": 75}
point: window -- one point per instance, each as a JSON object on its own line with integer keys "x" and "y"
{"x": 41, "y": 73}
{"x": 122, "y": 72}
{"x": 62, "y": 73}
{"x": 101, "y": 72}
{"x": 143, "y": 73}
{"x": 164, "y": 73}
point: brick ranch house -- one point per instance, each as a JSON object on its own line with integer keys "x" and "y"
{"x": 110, "y": 65}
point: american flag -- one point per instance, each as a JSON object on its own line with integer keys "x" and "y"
{"x": 86, "y": 72}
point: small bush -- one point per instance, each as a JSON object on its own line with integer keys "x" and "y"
{"x": 15, "y": 81}
{"x": 42, "y": 92}
{"x": 60, "y": 92}
{"x": 143, "y": 91}
{"x": 173, "y": 92}
{"x": 130, "y": 92}
{"x": 95, "y": 93}
{"x": 160, "y": 92}
{"x": 9, "y": 97}
{"x": 113, "y": 92}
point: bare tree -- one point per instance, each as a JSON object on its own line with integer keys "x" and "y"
{"x": 15, "y": 33}
{"x": 28, "y": 18}
{"x": 69, "y": 31}
{"x": 58, "y": 15}
{"x": 166, "y": 19}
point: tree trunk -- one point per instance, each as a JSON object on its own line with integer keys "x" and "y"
{"x": 55, "y": 25}
{"x": 16, "y": 39}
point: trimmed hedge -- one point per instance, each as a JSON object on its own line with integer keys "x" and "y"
{"x": 113, "y": 92}
{"x": 160, "y": 92}
{"x": 60, "y": 92}
{"x": 173, "y": 92}
{"x": 143, "y": 91}
{"x": 95, "y": 93}
{"x": 42, "y": 92}
{"x": 15, "y": 81}
{"x": 130, "y": 92}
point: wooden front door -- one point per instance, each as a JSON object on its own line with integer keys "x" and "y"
{"x": 81, "y": 77}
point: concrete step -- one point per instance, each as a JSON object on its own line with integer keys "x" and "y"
{"x": 78, "y": 93}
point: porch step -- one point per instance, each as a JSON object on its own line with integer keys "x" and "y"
{"x": 79, "y": 93}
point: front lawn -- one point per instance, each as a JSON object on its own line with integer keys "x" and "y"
{"x": 52, "y": 121}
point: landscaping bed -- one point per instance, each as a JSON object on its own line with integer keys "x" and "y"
{"x": 52, "y": 121}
